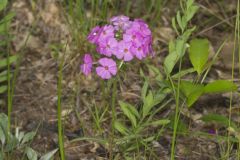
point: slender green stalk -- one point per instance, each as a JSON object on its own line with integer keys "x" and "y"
{"x": 238, "y": 35}
{"x": 231, "y": 95}
{"x": 9, "y": 98}
{"x": 113, "y": 105}
{"x": 59, "y": 110}
{"x": 176, "y": 118}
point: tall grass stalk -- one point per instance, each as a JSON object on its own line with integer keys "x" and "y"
{"x": 236, "y": 40}
{"x": 9, "y": 98}
{"x": 177, "y": 115}
{"x": 59, "y": 107}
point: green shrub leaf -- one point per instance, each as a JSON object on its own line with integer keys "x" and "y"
{"x": 198, "y": 53}
{"x": 191, "y": 91}
{"x": 220, "y": 86}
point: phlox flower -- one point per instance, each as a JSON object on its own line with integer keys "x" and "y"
{"x": 121, "y": 22}
{"x": 86, "y": 67}
{"x": 106, "y": 32}
{"x": 124, "y": 51}
{"x": 108, "y": 47}
{"x": 107, "y": 68}
{"x": 139, "y": 51}
{"x": 94, "y": 35}
{"x": 133, "y": 36}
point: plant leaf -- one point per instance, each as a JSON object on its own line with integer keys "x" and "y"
{"x": 183, "y": 73}
{"x": 3, "y": 4}
{"x": 2, "y": 136}
{"x": 3, "y": 89}
{"x": 120, "y": 127}
{"x": 189, "y": 3}
{"x": 148, "y": 104}
{"x": 3, "y": 62}
{"x": 179, "y": 21}
{"x": 198, "y": 53}
{"x": 144, "y": 90}
{"x": 191, "y": 91}
{"x": 12, "y": 143}
{"x": 4, "y": 77}
{"x": 220, "y": 119}
{"x": 191, "y": 12}
{"x": 188, "y": 87}
{"x": 174, "y": 24}
{"x": 129, "y": 111}
{"x": 28, "y": 137}
{"x": 170, "y": 62}
{"x": 160, "y": 122}
{"x": 31, "y": 154}
{"x": 49, "y": 155}
{"x": 4, "y": 122}
{"x": 193, "y": 97}
{"x": 220, "y": 86}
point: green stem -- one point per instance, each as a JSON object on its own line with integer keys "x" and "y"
{"x": 176, "y": 118}
{"x": 59, "y": 110}
{"x": 113, "y": 105}
{"x": 9, "y": 98}
{"x": 231, "y": 95}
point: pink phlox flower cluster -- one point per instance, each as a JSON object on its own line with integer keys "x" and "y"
{"x": 123, "y": 39}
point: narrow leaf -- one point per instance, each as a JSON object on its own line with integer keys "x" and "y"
{"x": 129, "y": 111}
{"x": 4, "y": 122}
{"x": 191, "y": 12}
{"x": 160, "y": 122}
{"x": 220, "y": 119}
{"x": 148, "y": 104}
{"x": 31, "y": 154}
{"x": 28, "y": 137}
{"x": 144, "y": 90}
{"x": 3, "y": 89}
{"x": 120, "y": 127}
{"x": 3, "y": 62}
{"x": 179, "y": 21}
{"x": 49, "y": 155}
{"x": 2, "y": 136}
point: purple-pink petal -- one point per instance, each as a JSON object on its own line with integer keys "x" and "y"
{"x": 86, "y": 67}
{"x": 94, "y": 35}
{"x": 107, "y": 68}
